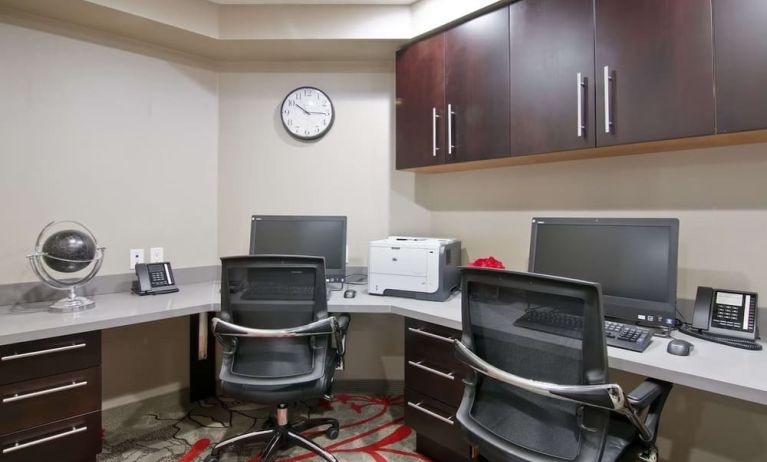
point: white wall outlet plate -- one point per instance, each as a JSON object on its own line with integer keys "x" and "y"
{"x": 136, "y": 256}
{"x": 156, "y": 255}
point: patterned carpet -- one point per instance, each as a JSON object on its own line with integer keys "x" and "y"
{"x": 372, "y": 429}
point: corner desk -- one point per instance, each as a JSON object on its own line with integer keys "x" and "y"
{"x": 47, "y": 359}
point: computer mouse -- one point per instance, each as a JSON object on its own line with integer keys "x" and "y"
{"x": 350, "y": 293}
{"x": 679, "y": 347}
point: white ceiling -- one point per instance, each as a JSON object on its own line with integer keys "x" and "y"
{"x": 314, "y": 2}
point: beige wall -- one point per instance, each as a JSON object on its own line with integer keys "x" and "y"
{"x": 262, "y": 170}
{"x": 719, "y": 196}
{"x": 125, "y": 143}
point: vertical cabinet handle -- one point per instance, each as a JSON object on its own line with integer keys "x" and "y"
{"x": 450, "y": 114}
{"x": 608, "y": 112}
{"x": 581, "y": 87}
{"x": 434, "y": 117}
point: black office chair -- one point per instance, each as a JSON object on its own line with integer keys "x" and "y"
{"x": 541, "y": 394}
{"x": 280, "y": 345}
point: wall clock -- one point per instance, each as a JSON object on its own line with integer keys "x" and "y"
{"x": 307, "y": 113}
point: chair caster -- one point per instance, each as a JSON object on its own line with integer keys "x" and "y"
{"x": 331, "y": 433}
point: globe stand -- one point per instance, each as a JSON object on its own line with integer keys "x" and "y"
{"x": 73, "y": 303}
{"x": 40, "y": 258}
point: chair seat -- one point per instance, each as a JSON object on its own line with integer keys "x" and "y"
{"x": 280, "y": 392}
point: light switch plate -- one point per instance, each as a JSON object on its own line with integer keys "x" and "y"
{"x": 156, "y": 255}
{"x": 136, "y": 256}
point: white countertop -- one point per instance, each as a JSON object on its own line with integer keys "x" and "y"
{"x": 710, "y": 367}
{"x": 21, "y": 323}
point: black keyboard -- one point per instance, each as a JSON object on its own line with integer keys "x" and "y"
{"x": 618, "y": 334}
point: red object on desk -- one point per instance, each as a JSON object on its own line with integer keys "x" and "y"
{"x": 488, "y": 262}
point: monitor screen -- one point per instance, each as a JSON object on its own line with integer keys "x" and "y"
{"x": 635, "y": 261}
{"x": 323, "y": 236}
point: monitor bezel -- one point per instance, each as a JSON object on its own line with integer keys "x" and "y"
{"x": 629, "y": 309}
{"x": 331, "y": 274}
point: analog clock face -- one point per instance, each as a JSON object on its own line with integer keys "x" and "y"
{"x": 307, "y": 113}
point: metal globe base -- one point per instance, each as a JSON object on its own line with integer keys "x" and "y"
{"x": 73, "y": 303}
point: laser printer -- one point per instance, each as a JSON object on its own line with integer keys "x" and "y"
{"x": 414, "y": 267}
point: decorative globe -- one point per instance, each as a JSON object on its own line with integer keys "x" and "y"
{"x": 69, "y": 251}
{"x": 67, "y": 247}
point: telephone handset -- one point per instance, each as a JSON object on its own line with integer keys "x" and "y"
{"x": 725, "y": 316}
{"x": 154, "y": 278}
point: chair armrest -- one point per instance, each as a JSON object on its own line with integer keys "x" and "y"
{"x": 325, "y": 326}
{"x": 642, "y": 396}
{"x": 343, "y": 320}
{"x": 652, "y": 394}
{"x": 605, "y": 396}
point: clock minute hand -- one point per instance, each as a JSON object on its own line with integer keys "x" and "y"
{"x": 302, "y": 108}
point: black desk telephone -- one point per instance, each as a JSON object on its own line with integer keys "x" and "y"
{"x": 725, "y": 316}
{"x": 154, "y": 278}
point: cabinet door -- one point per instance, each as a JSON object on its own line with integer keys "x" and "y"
{"x": 421, "y": 103}
{"x": 740, "y": 50}
{"x": 477, "y": 87}
{"x": 552, "y": 75}
{"x": 657, "y": 55}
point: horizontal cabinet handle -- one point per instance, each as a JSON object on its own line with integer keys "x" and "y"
{"x": 447, "y": 420}
{"x": 425, "y": 333}
{"x": 42, "y": 352}
{"x": 47, "y": 391}
{"x": 448, "y": 375}
{"x": 19, "y": 446}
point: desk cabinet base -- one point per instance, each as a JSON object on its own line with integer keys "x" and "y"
{"x": 50, "y": 399}
{"x": 433, "y": 390}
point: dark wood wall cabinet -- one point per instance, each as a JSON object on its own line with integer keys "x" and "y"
{"x": 433, "y": 391}
{"x": 50, "y": 399}
{"x": 546, "y": 80}
{"x": 740, "y": 63}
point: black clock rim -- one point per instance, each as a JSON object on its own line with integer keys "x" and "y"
{"x": 311, "y": 137}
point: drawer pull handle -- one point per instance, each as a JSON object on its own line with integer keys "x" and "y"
{"x": 447, "y": 420}
{"x": 18, "y": 446}
{"x": 420, "y": 331}
{"x": 448, "y": 375}
{"x": 42, "y": 352}
{"x": 47, "y": 391}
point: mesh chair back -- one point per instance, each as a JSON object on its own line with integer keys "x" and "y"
{"x": 274, "y": 292}
{"x": 541, "y": 328}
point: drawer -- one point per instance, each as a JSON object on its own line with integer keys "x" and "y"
{"x": 40, "y": 358}
{"x": 445, "y": 385}
{"x": 432, "y": 344}
{"x": 36, "y": 402}
{"x": 71, "y": 440}
{"x": 435, "y": 421}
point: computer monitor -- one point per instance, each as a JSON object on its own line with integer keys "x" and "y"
{"x": 323, "y": 236}
{"x": 635, "y": 261}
